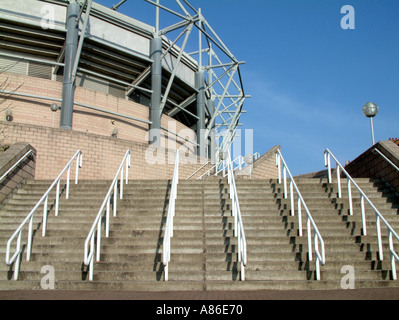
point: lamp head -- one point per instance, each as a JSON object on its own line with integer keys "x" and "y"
{"x": 370, "y": 109}
{"x": 54, "y": 107}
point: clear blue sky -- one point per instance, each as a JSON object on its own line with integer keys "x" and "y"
{"x": 308, "y": 77}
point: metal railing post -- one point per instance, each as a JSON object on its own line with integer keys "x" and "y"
{"x": 292, "y": 198}
{"x": 339, "y": 183}
{"x": 350, "y": 197}
{"x": 57, "y": 198}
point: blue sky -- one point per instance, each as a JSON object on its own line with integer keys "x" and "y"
{"x": 308, "y": 78}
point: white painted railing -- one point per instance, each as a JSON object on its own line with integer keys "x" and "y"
{"x": 385, "y": 158}
{"x": 239, "y": 163}
{"x": 16, "y": 164}
{"x": 45, "y": 198}
{"x": 363, "y": 198}
{"x": 199, "y": 169}
{"x": 238, "y": 223}
{"x": 168, "y": 234}
{"x": 90, "y": 249}
{"x": 319, "y": 252}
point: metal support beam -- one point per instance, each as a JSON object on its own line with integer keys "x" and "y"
{"x": 212, "y": 145}
{"x": 116, "y": 6}
{"x": 82, "y": 37}
{"x": 182, "y": 106}
{"x": 222, "y": 97}
{"x": 68, "y": 86}
{"x": 156, "y": 80}
{"x": 172, "y": 77}
{"x": 139, "y": 80}
{"x": 60, "y": 58}
{"x": 200, "y": 86}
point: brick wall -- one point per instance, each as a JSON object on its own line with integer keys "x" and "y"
{"x": 372, "y": 165}
{"x": 263, "y": 168}
{"x": 37, "y": 111}
{"x": 24, "y": 170}
{"x": 101, "y": 155}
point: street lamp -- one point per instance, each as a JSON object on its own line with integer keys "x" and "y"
{"x": 370, "y": 110}
{"x": 249, "y": 160}
{"x": 54, "y": 108}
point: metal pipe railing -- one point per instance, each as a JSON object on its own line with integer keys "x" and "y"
{"x": 238, "y": 223}
{"x": 363, "y": 198}
{"x": 17, "y": 163}
{"x": 169, "y": 220}
{"x": 320, "y": 252}
{"x": 199, "y": 169}
{"x": 83, "y": 105}
{"x": 89, "y": 248}
{"x": 240, "y": 161}
{"x": 18, "y": 233}
{"x": 386, "y": 159}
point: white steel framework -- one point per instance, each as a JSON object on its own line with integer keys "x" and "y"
{"x": 223, "y": 88}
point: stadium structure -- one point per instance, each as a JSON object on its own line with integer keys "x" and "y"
{"x": 86, "y": 45}
{"x": 157, "y": 203}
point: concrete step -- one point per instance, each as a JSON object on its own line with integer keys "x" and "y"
{"x": 293, "y": 285}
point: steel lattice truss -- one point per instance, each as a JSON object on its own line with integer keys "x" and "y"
{"x": 224, "y": 89}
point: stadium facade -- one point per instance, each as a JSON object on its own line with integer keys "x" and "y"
{"x": 78, "y": 71}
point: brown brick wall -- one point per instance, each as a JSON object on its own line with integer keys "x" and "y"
{"x": 24, "y": 170}
{"x": 37, "y": 111}
{"x": 372, "y": 165}
{"x": 101, "y": 155}
{"x": 263, "y": 168}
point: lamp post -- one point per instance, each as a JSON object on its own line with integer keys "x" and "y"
{"x": 249, "y": 160}
{"x": 54, "y": 108}
{"x": 370, "y": 110}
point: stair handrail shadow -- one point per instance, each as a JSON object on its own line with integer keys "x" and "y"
{"x": 90, "y": 249}
{"x": 29, "y": 218}
{"x": 363, "y": 198}
{"x": 320, "y": 253}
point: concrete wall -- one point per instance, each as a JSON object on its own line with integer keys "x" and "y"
{"x": 372, "y": 165}
{"x": 24, "y": 170}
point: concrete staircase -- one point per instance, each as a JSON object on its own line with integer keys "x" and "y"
{"x": 204, "y": 250}
{"x": 344, "y": 244}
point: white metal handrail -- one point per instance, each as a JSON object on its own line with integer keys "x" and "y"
{"x": 199, "y": 169}
{"x": 385, "y": 158}
{"x": 214, "y": 168}
{"x": 17, "y": 163}
{"x": 320, "y": 252}
{"x": 18, "y": 233}
{"x": 168, "y": 234}
{"x": 378, "y": 216}
{"x": 240, "y": 161}
{"x": 89, "y": 248}
{"x": 238, "y": 223}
